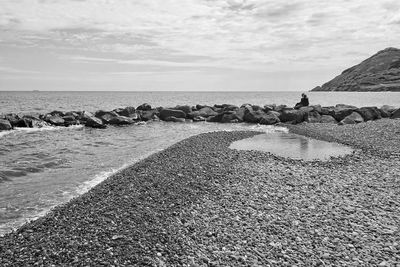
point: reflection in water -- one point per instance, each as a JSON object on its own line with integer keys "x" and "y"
{"x": 292, "y": 146}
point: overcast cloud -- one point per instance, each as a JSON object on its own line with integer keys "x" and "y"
{"x": 188, "y": 45}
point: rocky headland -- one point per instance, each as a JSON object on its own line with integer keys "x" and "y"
{"x": 381, "y": 72}
{"x": 225, "y": 113}
{"x": 199, "y": 203}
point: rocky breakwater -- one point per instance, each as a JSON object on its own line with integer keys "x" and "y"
{"x": 226, "y": 113}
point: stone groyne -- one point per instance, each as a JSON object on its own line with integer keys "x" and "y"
{"x": 225, "y": 113}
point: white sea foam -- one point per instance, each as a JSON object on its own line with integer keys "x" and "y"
{"x": 21, "y": 130}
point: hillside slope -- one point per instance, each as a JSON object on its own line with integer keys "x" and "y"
{"x": 381, "y": 72}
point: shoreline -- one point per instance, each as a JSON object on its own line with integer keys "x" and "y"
{"x": 198, "y": 201}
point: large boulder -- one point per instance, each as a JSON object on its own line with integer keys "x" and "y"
{"x": 327, "y": 111}
{"x": 327, "y": 119}
{"x": 149, "y": 115}
{"x": 129, "y": 112}
{"x": 106, "y": 116}
{"x": 312, "y": 116}
{"x": 216, "y": 118}
{"x": 144, "y": 107}
{"x": 386, "y": 111}
{"x": 91, "y": 121}
{"x": 57, "y": 113}
{"x": 229, "y": 116}
{"x": 316, "y": 108}
{"x": 341, "y": 111}
{"x": 120, "y": 120}
{"x": 353, "y": 118}
{"x": 269, "y": 107}
{"x": 203, "y": 112}
{"x": 270, "y": 118}
{"x": 187, "y": 109}
{"x": 54, "y": 120}
{"x": 5, "y": 125}
{"x": 165, "y": 113}
{"x": 32, "y": 121}
{"x": 229, "y": 107}
{"x": 70, "y": 120}
{"x": 292, "y": 116}
{"x": 395, "y": 114}
{"x": 369, "y": 113}
{"x": 13, "y": 119}
{"x": 251, "y": 115}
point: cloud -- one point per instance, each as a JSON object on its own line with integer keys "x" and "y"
{"x": 251, "y": 35}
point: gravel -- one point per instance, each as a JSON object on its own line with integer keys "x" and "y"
{"x": 199, "y": 203}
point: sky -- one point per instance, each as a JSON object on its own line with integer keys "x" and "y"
{"x": 188, "y": 45}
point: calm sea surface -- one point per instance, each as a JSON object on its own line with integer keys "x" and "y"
{"x": 41, "y": 168}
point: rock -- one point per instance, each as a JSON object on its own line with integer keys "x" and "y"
{"x": 120, "y": 120}
{"x": 316, "y": 108}
{"x": 269, "y": 107}
{"x": 187, "y": 109}
{"x": 341, "y": 111}
{"x": 75, "y": 114}
{"x": 388, "y": 109}
{"x": 165, "y": 113}
{"x": 229, "y": 116}
{"x": 280, "y": 108}
{"x": 13, "y": 119}
{"x": 57, "y": 113}
{"x": 199, "y": 118}
{"x": 69, "y": 120}
{"x": 240, "y": 114}
{"x": 144, "y": 107}
{"x": 328, "y": 119}
{"x": 91, "y": 121}
{"x": 198, "y": 106}
{"x": 293, "y": 115}
{"x": 312, "y": 116}
{"x": 381, "y": 72}
{"x": 395, "y": 114}
{"x": 327, "y": 111}
{"x": 54, "y": 120}
{"x": 204, "y": 112}
{"x": 251, "y": 115}
{"x": 228, "y": 107}
{"x": 100, "y": 113}
{"x": 149, "y": 115}
{"x": 107, "y": 116}
{"x": 216, "y": 118}
{"x": 5, "y": 125}
{"x": 174, "y": 119}
{"x": 369, "y": 113}
{"x": 128, "y": 112}
{"x": 353, "y": 118}
{"x": 270, "y": 118}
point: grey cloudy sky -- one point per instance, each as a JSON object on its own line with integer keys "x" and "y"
{"x": 188, "y": 44}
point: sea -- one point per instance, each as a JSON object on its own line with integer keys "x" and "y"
{"x": 41, "y": 168}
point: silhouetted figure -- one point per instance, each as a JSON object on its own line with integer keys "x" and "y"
{"x": 303, "y": 102}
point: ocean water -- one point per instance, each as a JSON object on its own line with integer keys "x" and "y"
{"x": 42, "y": 168}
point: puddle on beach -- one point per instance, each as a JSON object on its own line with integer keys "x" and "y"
{"x": 292, "y": 146}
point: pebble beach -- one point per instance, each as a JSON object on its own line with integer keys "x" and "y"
{"x": 199, "y": 203}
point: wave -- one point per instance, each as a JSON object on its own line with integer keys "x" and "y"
{"x": 20, "y": 130}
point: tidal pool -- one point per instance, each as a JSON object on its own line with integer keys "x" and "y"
{"x": 292, "y": 146}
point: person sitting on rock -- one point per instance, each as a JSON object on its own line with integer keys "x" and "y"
{"x": 303, "y": 102}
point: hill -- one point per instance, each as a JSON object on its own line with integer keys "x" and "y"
{"x": 381, "y": 72}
